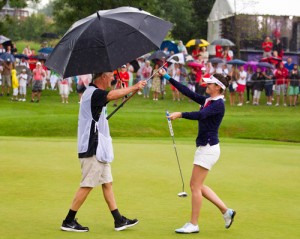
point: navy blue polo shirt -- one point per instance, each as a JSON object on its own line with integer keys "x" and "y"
{"x": 209, "y": 118}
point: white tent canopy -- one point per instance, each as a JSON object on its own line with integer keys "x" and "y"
{"x": 223, "y": 9}
{"x": 227, "y": 8}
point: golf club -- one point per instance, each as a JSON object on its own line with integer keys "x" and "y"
{"x": 183, "y": 193}
{"x": 175, "y": 58}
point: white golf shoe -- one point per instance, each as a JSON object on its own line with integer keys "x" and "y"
{"x": 188, "y": 228}
{"x": 228, "y": 217}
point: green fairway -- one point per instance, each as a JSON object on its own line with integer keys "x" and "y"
{"x": 145, "y": 118}
{"x": 259, "y": 179}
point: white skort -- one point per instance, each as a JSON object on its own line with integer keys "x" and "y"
{"x": 206, "y": 156}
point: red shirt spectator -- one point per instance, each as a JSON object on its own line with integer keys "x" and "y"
{"x": 124, "y": 76}
{"x": 196, "y": 52}
{"x": 219, "y": 51}
{"x": 281, "y": 75}
{"x": 267, "y": 46}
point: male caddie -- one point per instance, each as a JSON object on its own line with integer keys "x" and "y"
{"x": 95, "y": 149}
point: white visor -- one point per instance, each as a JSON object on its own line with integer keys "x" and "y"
{"x": 214, "y": 80}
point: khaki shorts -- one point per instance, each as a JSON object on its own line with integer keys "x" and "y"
{"x": 6, "y": 80}
{"x": 94, "y": 173}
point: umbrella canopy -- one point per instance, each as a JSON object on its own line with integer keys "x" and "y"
{"x": 216, "y": 60}
{"x": 252, "y": 64}
{"x": 170, "y": 45}
{"x": 45, "y": 50}
{"x": 3, "y": 39}
{"x": 265, "y": 64}
{"x": 195, "y": 64}
{"x": 135, "y": 65}
{"x": 7, "y": 57}
{"x": 272, "y": 60}
{"x": 223, "y": 42}
{"x": 179, "y": 60}
{"x": 188, "y": 58}
{"x": 49, "y": 35}
{"x": 40, "y": 57}
{"x": 106, "y": 40}
{"x": 237, "y": 62}
{"x": 20, "y": 56}
{"x": 157, "y": 55}
{"x": 200, "y": 42}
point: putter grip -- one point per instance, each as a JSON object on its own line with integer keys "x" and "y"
{"x": 170, "y": 124}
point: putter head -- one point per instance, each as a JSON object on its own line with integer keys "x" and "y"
{"x": 182, "y": 194}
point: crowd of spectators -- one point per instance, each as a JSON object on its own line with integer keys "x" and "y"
{"x": 247, "y": 81}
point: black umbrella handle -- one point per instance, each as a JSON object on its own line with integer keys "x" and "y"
{"x": 116, "y": 109}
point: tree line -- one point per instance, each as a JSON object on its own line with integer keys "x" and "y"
{"x": 188, "y": 16}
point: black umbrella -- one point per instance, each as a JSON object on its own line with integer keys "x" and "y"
{"x": 106, "y": 40}
{"x": 40, "y": 57}
{"x": 20, "y": 56}
{"x": 222, "y": 42}
{"x": 265, "y": 64}
{"x": 157, "y": 55}
{"x": 236, "y": 62}
{"x": 3, "y": 39}
{"x": 216, "y": 60}
{"x": 135, "y": 65}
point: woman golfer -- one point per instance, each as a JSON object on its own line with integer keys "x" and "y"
{"x": 209, "y": 118}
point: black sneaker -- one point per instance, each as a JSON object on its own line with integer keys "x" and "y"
{"x": 125, "y": 224}
{"x": 73, "y": 226}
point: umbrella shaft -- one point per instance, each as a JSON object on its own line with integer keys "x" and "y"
{"x": 156, "y": 71}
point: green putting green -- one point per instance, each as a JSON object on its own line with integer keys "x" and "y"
{"x": 259, "y": 179}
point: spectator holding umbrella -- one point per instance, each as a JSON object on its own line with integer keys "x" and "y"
{"x": 227, "y": 54}
{"x": 219, "y": 51}
{"x": 241, "y": 85}
{"x": 249, "y": 83}
{"x": 269, "y": 77}
{"x": 294, "y": 84}
{"x": 258, "y": 85}
{"x": 196, "y": 52}
{"x": 281, "y": 75}
{"x": 6, "y": 76}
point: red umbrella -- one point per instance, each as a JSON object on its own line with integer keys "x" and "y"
{"x": 195, "y": 64}
{"x": 272, "y": 60}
